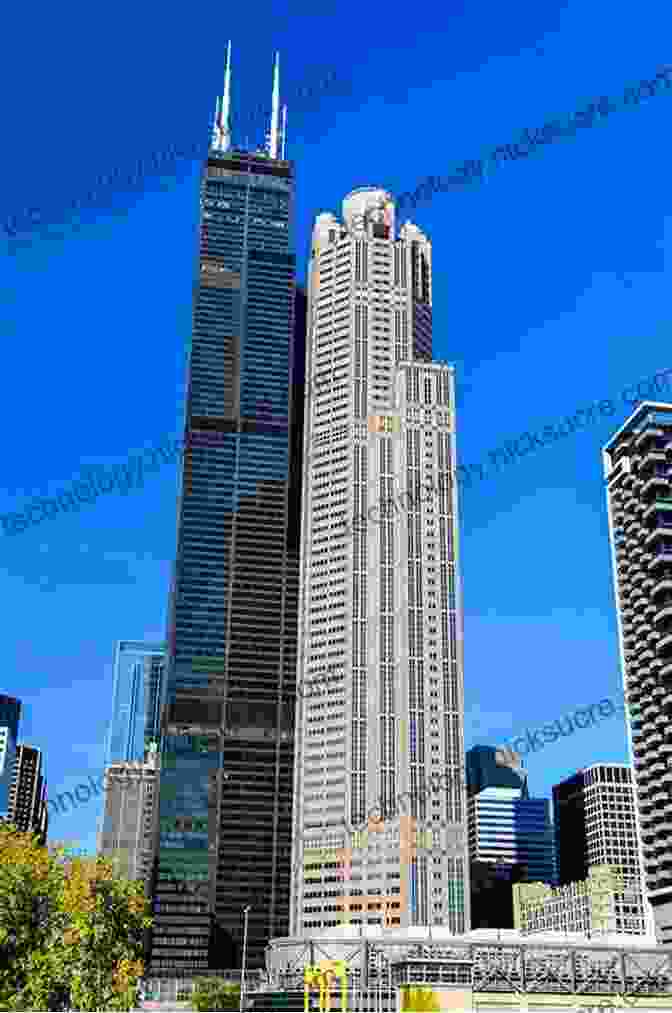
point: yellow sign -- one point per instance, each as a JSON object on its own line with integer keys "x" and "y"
{"x": 321, "y": 977}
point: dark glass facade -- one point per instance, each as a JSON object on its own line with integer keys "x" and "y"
{"x": 228, "y": 714}
{"x": 483, "y": 771}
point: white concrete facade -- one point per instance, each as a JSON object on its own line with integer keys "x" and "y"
{"x": 380, "y": 613}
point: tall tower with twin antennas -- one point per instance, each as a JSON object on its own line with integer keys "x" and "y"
{"x": 227, "y": 735}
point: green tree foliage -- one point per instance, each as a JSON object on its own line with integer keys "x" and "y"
{"x": 71, "y": 933}
{"x": 215, "y": 994}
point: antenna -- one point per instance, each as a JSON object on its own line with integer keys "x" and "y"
{"x": 284, "y": 131}
{"x": 215, "y": 127}
{"x": 273, "y": 145}
{"x": 224, "y": 128}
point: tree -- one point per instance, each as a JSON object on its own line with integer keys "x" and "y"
{"x": 215, "y": 994}
{"x": 71, "y": 933}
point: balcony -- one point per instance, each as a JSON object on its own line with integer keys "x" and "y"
{"x": 653, "y": 457}
{"x": 663, "y": 613}
{"x": 666, "y": 670}
{"x": 649, "y": 431}
{"x": 653, "y": 534}
{"x": 663, "y": 584}
{"x": 661, "y": 558}
{"x": 652, "y": 482}
{"x": 660, "y": 503}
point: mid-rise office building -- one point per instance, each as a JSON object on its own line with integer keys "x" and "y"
{"x": 130, "y": 814}
{"x": 595, "y": 827}
{"x": 27, "y": 808}
{"x": 380, "y": 637}
{"x": 10, "y": 715}
{"x": 137, "y": 691}
{"x": 507, "y": 827}
{"x": 638, "y": 473}
{"x": 492, "y": 875}
{"x": 233, "y": 609}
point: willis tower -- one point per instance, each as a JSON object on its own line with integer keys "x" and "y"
{"x": 228, "y": 705}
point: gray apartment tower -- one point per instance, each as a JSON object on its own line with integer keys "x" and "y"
{"x": 228, "y": 710}
{"x": 638, "y": 474}
{"x": 380, "y": 622}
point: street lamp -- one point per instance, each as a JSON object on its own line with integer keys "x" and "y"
{"x": 246, "y": 912}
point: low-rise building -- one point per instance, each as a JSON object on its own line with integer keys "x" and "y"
{"x": 607, "y": 903}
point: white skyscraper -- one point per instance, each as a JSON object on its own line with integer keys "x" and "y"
{"x": 380, "y": 642}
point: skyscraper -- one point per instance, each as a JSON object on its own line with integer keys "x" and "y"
{"x": 594, "y": 813}
{"x": 27, "y": 795}
{"x": 381, "y": 708}
{"x": 639, "y": 502}
{"x": 136, "y": 700}
{"x": 232, "y": 625}
{"x": 10, "y": 714}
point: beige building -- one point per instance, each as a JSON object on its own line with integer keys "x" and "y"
{"x": 594, "y": 907}
{"x": 130, "y": 816}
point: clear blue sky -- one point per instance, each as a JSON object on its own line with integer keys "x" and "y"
{"x": 550, "y": 291}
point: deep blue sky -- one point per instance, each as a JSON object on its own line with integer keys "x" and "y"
{"x": 550, "y": 291}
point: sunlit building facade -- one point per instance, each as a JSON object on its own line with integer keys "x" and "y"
{"x": 380, "y": 622}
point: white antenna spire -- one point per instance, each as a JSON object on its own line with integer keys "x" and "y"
{"x": 273, "y": 147}
{"x": 224, "y": 128}
{"x": 215, "y": 126}
{"x": 284, "y": 131}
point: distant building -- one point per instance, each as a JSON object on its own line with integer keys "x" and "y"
{"x": 593, "y": 907}
{"x": 27, "y": 808}
{"x": 130, "y": 817}
{"x": 510, "y": 835}
{"x": 10, "y": 714}
{"x": 595, "y": 827}
{"x": 138, "y": 685}
{"x": 506, "y": 826}
{"x": 492, "y": 893}
{"x": 490, "y": 767}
